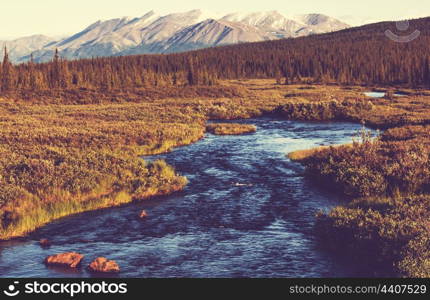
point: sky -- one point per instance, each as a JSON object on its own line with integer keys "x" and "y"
{"x": 63, "y": 17}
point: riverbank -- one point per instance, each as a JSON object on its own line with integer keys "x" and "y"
{"x": 388, "y": 181}
{"x": 30, "y": 211}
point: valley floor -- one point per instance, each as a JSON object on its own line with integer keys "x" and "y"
{"x": 59, "y": 158}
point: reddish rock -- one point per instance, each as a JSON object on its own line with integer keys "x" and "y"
{"x": 103, "y": 265}
{"x": 45, "y": 243}
{"x": 143, "y": 214}
{"x": 68, "y": 259}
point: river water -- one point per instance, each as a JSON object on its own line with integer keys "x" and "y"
{"x": 248, "y": 211}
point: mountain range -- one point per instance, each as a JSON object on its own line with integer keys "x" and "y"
{"x": 153, "y": 33}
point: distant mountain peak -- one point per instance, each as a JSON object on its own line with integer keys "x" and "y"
{"x": 149, "y": 13}
{"x": 181, "y": 31}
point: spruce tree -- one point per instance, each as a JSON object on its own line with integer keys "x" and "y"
{"x": 7, "y": 73}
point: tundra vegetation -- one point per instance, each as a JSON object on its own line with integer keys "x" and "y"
{"x": 386, "y": 221}
{"x": 59, "y": 159}
{"x": 388, "y": 179}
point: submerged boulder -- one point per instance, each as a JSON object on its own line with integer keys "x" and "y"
{"x": 103, "y": 265}
{"x": 68, "y": 259}
{"x": 44, "y": 243}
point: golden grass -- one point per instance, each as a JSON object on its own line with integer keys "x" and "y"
{"x": 230, "y": 128}
{"x": 301, "y": 155}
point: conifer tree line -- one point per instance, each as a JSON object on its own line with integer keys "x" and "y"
{"x": 361, "y": 55}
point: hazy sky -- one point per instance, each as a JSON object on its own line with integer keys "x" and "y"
{"x": 59, "y": 17}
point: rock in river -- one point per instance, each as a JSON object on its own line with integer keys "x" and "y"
{"x": 68, "y": 259}
{"x": 103, "y": 265}
{"x": 44, "y": 243}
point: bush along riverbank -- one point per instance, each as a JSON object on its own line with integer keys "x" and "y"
{"x": 388, "y": 180}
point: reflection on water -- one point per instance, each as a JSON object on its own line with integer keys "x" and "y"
{"x": 247, "y": 212}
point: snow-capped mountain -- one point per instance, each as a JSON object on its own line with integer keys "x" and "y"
{"x": 213, "y": 33}
{"x": 271, "y": 22}
{"x": 318, "y": 23}
{"x": 25, "y": 46}
{"x": 153, "y": 33}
